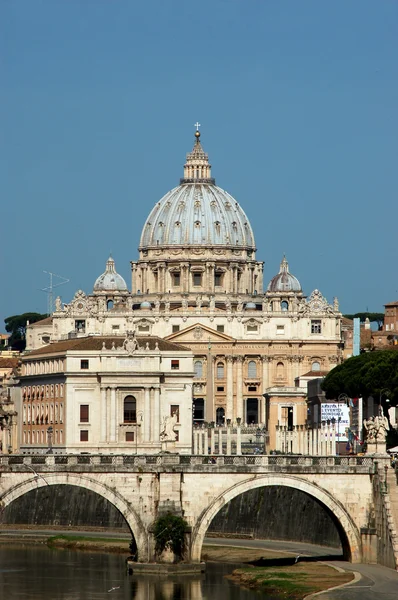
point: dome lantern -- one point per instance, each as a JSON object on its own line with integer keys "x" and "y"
{"x": 284, "y": 281}
{"x": 197, "y": 168}
{"x": 110, "y": 280}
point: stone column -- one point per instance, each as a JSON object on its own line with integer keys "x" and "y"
{"x": 161, "y": 278}
{"x": 157, "y": 415}
{"x": 184, "y": 275}
{"x": 239, "y": 387}
{"x": 229, "y": 451}
{"x": 230, "y": 391}
{"x": 238, "y": 440}
{"x": 195, "y": 443}
{"x": 220, "y": 451}
{"x": 134, "y": 277}
{"x": 147, "y": 416}
{"x": 112, "y": 433}
{"x": 209, "y": 405}
{"x": 104, "y": 414}
{"x": 265, "y": 361}
{"x": 152, "y": 413}
{"x": 212, "y": 441}
{"x": 200, "y": 445}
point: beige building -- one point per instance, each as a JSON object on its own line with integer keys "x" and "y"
{"x": 197, "y": 282}
{"x": 107, "y": 395}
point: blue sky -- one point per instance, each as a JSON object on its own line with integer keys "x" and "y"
{"x": 297, "y": 101}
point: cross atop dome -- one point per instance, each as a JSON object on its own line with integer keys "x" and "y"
{"x": 197, "y": 168}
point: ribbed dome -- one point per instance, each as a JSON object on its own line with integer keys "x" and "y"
{"x": 284, "y": 281}
{"x": 197, "y": 212}
{"x": 110, "y": 281}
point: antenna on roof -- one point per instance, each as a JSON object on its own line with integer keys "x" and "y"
{"x": 49, "y": 290}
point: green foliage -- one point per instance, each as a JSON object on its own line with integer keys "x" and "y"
{"x": 374, "y": 317}
{"x": 16, "y": 326}
{"x": 169, "y": 534}
{"x": 365, "y": 375}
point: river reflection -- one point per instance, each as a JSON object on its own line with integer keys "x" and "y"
{"x": 34, "y": 572}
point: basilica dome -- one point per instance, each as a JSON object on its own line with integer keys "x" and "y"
{"x": 284, "y": 281}
{"x": 110, "y": 281}
{"x": 197, "y": 212}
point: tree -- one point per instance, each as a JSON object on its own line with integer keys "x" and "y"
{"x": 16, "y": 326}
{"x": 369, "y": 374}
{"x": 169, "y": 531}
{"x": 374, "y": 317}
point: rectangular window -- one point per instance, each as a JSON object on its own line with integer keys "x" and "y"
{"x": 84, "y": 364}
{"x": 197, "y": 279}
{"x": 220, "y": 328}
{"x": 129, "y": 436}
{"x": 217, "y": 279}
{"x": 316, "y": 326}
{"x": 251, "y": 328}
{"x": 220, "y": 388}
{"x": 175, "y": 364}
{"x": 175, "y": 410}
{"x": 84, "y": 413}
{"x": 115, "y": 327}
{"x": 252, "y": 388}
{"x": 280, "y": 329}
{"x": 84, "y": 435}
{"x": 143, "y": 328}
{"x": 175, "y": 328}
{"x": 177, "y": 279}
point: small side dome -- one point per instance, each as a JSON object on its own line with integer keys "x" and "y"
{"x": 284, "y": 281}
{"x": 250, "y": 306}
{"x": 110, "y": 281}
{"x": 146, "y": 305}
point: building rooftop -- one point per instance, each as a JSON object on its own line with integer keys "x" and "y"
{"x": 97, "y": 342}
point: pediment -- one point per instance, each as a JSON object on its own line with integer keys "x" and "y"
{"x": 199, "y": 333}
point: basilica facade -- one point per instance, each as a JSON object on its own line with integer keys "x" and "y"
{"x": 197, "y": 283}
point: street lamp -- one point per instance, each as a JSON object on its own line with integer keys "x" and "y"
{"x": 344, "y": 398}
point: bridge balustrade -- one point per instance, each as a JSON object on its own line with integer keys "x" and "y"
{"x": 171, "y": 460}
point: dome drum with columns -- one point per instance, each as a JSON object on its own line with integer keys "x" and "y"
{"x": 197, "y": 283}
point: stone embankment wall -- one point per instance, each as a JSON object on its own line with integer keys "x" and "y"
{"x": 278, "y": 513}
{"x": 271, "y": 513}
{"x": 65, "y": 506}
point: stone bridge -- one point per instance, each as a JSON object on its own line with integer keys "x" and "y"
{"x": 142, "y": 487}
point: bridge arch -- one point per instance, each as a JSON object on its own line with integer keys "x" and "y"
{"x": 348, "y": 532}
{"x": 77, "y": 479}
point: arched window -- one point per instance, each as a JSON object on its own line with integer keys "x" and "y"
{"x": 284, "y": 306}
{"x": 280, "y": 367}
{"x": 316, "y": 366}
{"x": 252, "y": 369}
{"x": 130, "y": 410}
{"x": 198, "y": 366}
{"x": 220, "y": 370}
{"x": 109, "y": 305}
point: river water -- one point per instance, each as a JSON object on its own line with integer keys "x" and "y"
{"x": 35, "y": 572}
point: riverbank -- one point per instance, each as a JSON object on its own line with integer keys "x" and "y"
{"x": 272, "y": 571}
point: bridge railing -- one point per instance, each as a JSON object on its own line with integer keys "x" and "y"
{"x": 168, "y": 460}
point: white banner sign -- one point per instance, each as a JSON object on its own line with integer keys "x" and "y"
{"x": 341, "y": 414}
